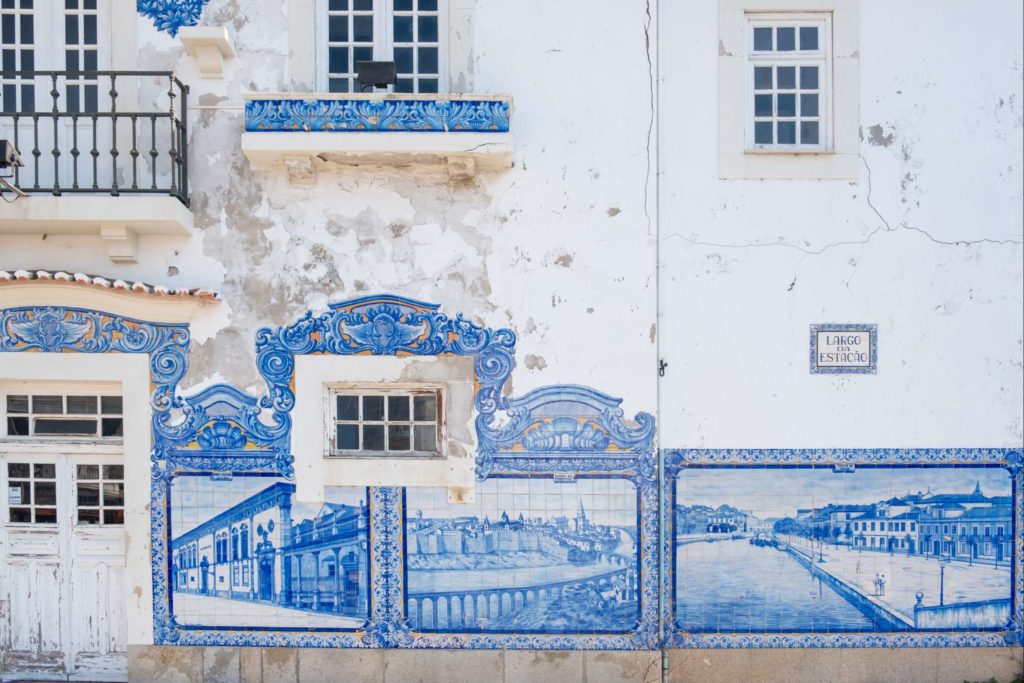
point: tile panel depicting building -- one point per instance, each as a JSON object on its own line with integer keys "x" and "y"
{"x": 449, "y": 340}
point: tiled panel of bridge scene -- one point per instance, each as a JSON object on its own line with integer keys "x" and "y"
{"x": 244, "y": 553}
{"x": 529, "y": 555}
{"x": 820, "y": 550}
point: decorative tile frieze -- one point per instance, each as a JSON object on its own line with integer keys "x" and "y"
{"x": 339, "y": 114}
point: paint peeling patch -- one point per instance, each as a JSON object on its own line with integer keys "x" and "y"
{"x": 535, "y": 362}
{"x": 877, "y": 137}
{"x": 654, "y": 332}
{"x": 565, "y": 260}
{"x": 614, "y": 211}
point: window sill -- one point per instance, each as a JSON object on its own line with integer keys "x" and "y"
{"x": 382, "y": 457}
{"x": 465, "y": 133}
{"x": 117, "y": 220}
{"x": 784, "y": 165}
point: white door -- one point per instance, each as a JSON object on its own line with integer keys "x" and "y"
{"x": 62, "y": 562}
{"x": 62, "y": 36}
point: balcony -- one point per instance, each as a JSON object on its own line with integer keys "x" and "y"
{"x": 465, "y": 134}
{"x": 103, "y": 153}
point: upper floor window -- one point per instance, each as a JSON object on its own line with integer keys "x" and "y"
{"x": 62, "y": 415}
{"x": 408, "y": 32}
{"x": 789, "y": 67}
{"x": 391, "y": 422}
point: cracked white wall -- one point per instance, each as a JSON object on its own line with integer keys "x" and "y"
{"x": 560, "y": 248}
{"x": 927, "y": 244}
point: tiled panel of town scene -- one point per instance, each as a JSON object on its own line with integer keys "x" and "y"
{"x": 528, "y": 555}
{"x": 842, "y": 549}
{"x": 244, "y": 553}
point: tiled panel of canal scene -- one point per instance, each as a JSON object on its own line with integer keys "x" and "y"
{"x": 529, "y": 555}
{"x": 243, "y": 552}
{"x": 787, "y": 549}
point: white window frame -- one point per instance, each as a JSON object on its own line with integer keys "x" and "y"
{"x": 63, "y": 390}
{"x": 841, "y": 161}
{"x": 386, "y": 390}
{"x": 821, "y": 58}
{"x": 383, "y": 43}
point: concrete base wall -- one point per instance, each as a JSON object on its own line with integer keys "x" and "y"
{"x": 285, "y": 665}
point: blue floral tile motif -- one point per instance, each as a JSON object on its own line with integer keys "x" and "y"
{"x": 171, "y": 15}
{"x": 354, "y": 115}
{"x": 844, "y": 547}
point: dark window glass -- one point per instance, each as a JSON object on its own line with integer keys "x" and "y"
{"x": 113, "y": 471}
{"x": 786, "y": 77}
{"x": 373, "y": 408}
{"x": 373, "y": 437}
{"x": 88, "y": 471}
{"x": 50, "y": 405}
{"x": 808, "y": 37}
{"x": 65, "y": 427}
{"x": 10, "y": 97}
{"x": 428, "y": 5}
{"x": 809, "y": 132}
{"x": 44, "y": 493}
{"x": 362, "y": 54}
{"x": 762, "y": 78}
{"x": 18, "y": 470}
{"x": 362, "y": 29}
{"x": 808, "y": 105}
{"x": 785, "y": 39}
{"x": 44, "y": 471}
{"x": 428, "y": 60}
{"x": 337, "y": 29}
{"x": 70, "y": 29}
{"x": 425, "y": 408}
{"x": 28, "y": 98}
{"x": 90, "y": 63}
{"x": 427, "y": 29}
{"x": 347, "y": 438}
{"x": 362, "y": 5}
{"x": 403, "y": 60}
{"x": 113, "y": 516}
{"x": 89, "y": 20}
{"x": 113, "y": 493}
{"x": 17, "y": 404}
{"x": 28, "y": 60}
{"x": 403, "y": 29}
{"x": 404, "y": 85}
{"x": 88, "y": 516}
{"x": 763, "y": 38}
{"x": 398, "y": 408}
{"x": 809, "y": 77}
{"x": 9, "y": 60}
{"x": 111, "y": 405}
{"x": 17, "y": 426}
{"x": 763, "y": 133}
{"x": 425, "y": 438}
{"x": 398, "y": 438}
{"x": 112, "y": 426}
{"x": 337, "y": 60}
{"x": 21, "y": 515}
{"x": 348, "y": 408}
{"x": 338, "y": 5}
{"x": 26, "y": 29}
{"x": 81, "y": 405}
{"x": 88, "y": 493}
{"x": 762, "y": 105}
{"x": 786, "y": 131}
{"x": 403, "y": 5}
{"x": 786, "y": 105}
{"x": 338, "y": 85}
{"x": 72, "y": 101}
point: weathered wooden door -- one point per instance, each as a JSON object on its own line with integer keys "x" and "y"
{"x": 62, "y": 561}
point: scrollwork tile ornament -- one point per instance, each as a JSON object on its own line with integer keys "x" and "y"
{"x": 171, "y": 15}
{"x": 341, "y": 115}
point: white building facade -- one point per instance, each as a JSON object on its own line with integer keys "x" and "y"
{"x": 566, "y": 257}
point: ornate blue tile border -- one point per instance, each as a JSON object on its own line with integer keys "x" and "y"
{"x": 440, "y": 114}
{"x": 171, "y": 15}
{"x": 768, "y": 462}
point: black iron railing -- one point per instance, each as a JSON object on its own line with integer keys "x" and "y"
{"x": 76, "y": 133}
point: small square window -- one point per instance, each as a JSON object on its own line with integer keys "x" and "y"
{"x": 376, "y": 422}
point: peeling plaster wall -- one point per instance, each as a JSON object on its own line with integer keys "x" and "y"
{"x": 560, "y": 248}
{"x": 926, "y": 243}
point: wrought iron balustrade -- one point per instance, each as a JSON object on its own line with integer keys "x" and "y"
{"x": 97, "y": 132}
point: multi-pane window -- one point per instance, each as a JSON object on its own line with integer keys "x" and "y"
{"x": 100, "y": 494}
{"x": 81, "y": 19}
{"x": 392, "y": 422}
{"x": 17, "y": 37}
{"x": 63, "y": 415}
{"x": 789, "y": 78}
{"x": 408, "y": 32}
{"x": 32, "y": 492}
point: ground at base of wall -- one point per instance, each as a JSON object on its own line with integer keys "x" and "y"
{"x": 158, "y": 664}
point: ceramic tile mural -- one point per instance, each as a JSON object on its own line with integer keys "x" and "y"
{"x": 244, "y": 554}
{"x": 530, "y": 555}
